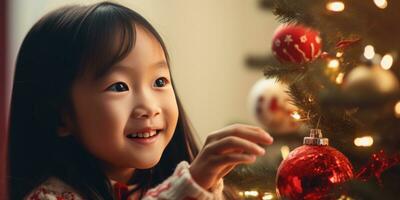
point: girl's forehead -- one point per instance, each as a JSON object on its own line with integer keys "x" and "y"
{"x": 131, "y": 70}
{"x": 146, "y": 49}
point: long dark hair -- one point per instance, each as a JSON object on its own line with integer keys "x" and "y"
{"x": 60, "y": 47}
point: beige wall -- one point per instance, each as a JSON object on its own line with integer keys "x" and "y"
{"x": 208, "y": 41}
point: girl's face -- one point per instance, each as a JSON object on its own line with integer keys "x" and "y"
{"x": 135, "y": 97}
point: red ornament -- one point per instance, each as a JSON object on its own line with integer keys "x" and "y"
{"x": 311, "y": 171}
{"x": 296, "y": 44}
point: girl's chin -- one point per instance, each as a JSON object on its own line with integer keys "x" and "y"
{"x": 147, "y": 164}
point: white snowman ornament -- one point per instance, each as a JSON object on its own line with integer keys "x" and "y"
{"x": 271, "y": 105}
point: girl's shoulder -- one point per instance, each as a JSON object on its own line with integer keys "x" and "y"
{"x": 53, "y": 189}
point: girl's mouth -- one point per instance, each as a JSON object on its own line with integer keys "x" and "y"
{"x": 144, "y": 137}
{"x": 148, "y": 134}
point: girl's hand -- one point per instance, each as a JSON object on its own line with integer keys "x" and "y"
{"x": 226, "y": 148}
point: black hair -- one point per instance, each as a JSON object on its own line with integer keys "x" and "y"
{"x": 59, "y": 48}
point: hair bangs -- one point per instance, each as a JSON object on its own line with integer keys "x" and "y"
{"x": 108, "y": 35}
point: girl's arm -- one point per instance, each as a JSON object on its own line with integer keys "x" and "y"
{"x": 223, "y": 150}
{"x": 181, "y": 186}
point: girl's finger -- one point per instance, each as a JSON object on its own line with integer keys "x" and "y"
{"x": 234, "y": 159}
{"x": 252, "y": 133}
{"x": 227, "y": 169}
{"x": 232, "y": 144}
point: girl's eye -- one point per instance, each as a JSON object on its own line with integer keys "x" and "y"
{"x": 118, "y": 87}
{"x": 161, "y": 82}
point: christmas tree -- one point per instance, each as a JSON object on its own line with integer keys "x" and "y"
{"x": 344, "y": 81}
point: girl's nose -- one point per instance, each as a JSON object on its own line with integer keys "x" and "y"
{"x": 146, "y": 108}
{"x": 145, "y": 112}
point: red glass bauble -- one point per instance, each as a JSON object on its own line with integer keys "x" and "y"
{"x": 311, "y": 172}
{"x": 296, "y": 44}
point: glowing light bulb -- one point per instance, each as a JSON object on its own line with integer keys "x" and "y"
{"x": 344, "y": 197}
{"x": 285, "y": 151}
{"x": 382, "y": 4}
{"x": 387, "y": 62}
{"x": 268, "y": 196}
{"x": 365, "y": 141}
{"x": 335, "y": 6}
{"x": 397, "y": 109}
{"x": 334, "y": 63}
{"x": 251, "y": 193}
{"x": 296, "y": 115}
{"x": 339, "y": 54}
{"x": 369, "y": 52}
{"x": 339, "y": 78}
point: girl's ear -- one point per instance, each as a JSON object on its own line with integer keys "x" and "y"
{"x": 65, "y": 126}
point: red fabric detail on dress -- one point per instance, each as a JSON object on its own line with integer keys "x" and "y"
{"x": 158, "y": 190}
{"x": 68, "y": 195}
{"x": 180, "y": 172}
{"x": 120, "y": 191}
{"x": 35, "y": 195}
{"x": 42, "y": 192}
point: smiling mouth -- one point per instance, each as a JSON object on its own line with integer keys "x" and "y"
{"x": 144, "y": 135}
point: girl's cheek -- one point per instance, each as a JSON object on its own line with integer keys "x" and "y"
{"x": 172, "y": 105}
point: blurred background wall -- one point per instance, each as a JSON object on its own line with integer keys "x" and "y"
{"x": 3, "y": 94}
{"x": 208, "y": 41}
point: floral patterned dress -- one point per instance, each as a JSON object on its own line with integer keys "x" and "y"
{"x": 179, "y": 186}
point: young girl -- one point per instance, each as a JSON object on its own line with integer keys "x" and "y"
{"x": 95, "y": 115}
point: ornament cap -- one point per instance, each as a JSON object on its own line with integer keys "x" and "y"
{"x": 316, "y": 138}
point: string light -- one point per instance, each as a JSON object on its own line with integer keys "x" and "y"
{"x": 397, "y": 109}
{"x": 344, "y": 197}
{"x": 335, "y": 6}
{"x": 381, "y": 3}
{"x": 334, "y": 63}
{"x": 369, "y": 52}
{"x": 365, "y": 141}
{"x": 339, "y": 54}
{"x": 296, "y": 115}
{"x": 387, "y": 62}
{"x": 339, "y": 78}
{"x": 251, "y": 193}
{"x": 268, "y": 196}
{"x": 285, "y": 151}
